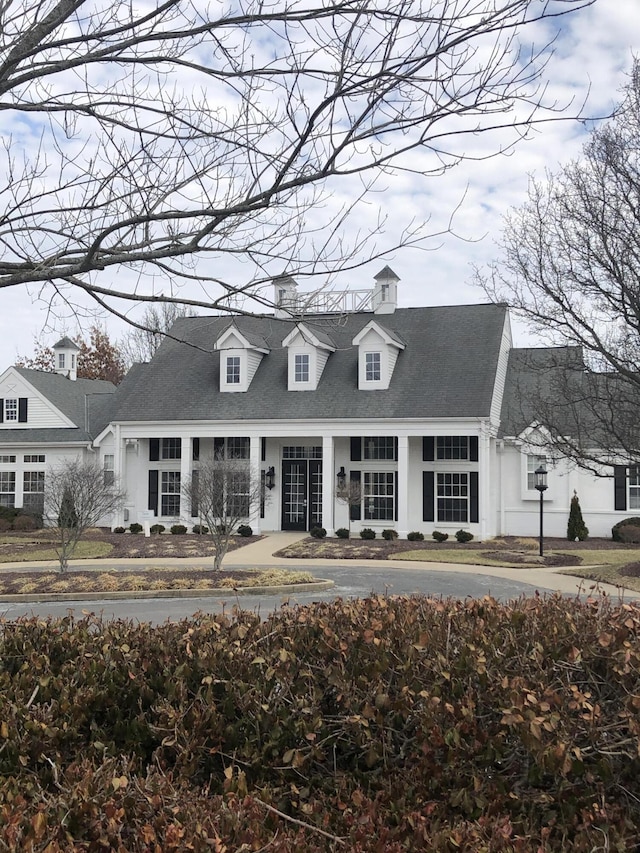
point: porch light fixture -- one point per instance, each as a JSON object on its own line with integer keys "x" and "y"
{"x": 270, "y": 477}
{"x": 540, "y": 482}
{"x": 342, "y": 478}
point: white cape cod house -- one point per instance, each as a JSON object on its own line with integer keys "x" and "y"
{"x": 416, "y": 405}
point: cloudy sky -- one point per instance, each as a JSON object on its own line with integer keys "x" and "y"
{"x": 593, "y": 54}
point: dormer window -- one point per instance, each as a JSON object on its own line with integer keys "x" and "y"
{"x": 240, "y": 357}
{"x": 233, "y": 369}
{"x": 372, "y": 366}
{"x": 302, "y": 367}
{"x": 309, "y": 350}
{"x": 378, "y": 350}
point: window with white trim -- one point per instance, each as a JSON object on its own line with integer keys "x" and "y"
{"x": 170, "y": 493}
{"x": 379, "y": 447}
{"x": 452, "y": 447}
{"x": 37, "y": 458}
{"x": 534, "y": 461}
{"x": 108, "y": 467}
{"x": 171, "y": 448}
{"x": 379, "y": 495}
{"x": 61, "y": 361}
{"x": 372, "y": 366}
{"x": 7, "y": 460}
{"x": 634, "y": 487}
{"x": 11, "y": 409}
{"x": 453, "y": 496}
{"x": 233, "y": 370}
{"x": 7, "y": 488}
{"x": 33, "y": 491}
{"x": 301, "y": 367}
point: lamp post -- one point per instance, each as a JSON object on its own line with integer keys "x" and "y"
{"x": 541, "y": 485}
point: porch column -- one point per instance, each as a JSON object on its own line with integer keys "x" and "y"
{"x": 120, "y": 475}
{"x": 485, "y": 510}
{"x": 185, "y": 476}
{"x": 328, "y": 483}
{"x": 255, "y": 448}
{"x": 403, "y": 486}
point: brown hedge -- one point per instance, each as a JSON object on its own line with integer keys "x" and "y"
{"x": 385, "y": 725}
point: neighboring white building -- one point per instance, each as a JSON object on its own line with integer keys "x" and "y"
{"x": 420, "y": 406}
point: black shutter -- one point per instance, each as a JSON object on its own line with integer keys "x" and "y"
{"x": 428, "y": 495}
{"x": 473, "y": 448}
{"x": 153, "y": 491}
{"x": 154, "y": 450}
{"x": 395, "y": 503}
{"x": 22, "y": 410}
{"x": 428, "y": 449}
{"x": 218, "y": 448}
{"x": 620, "y": 487}
{"x": 1, "y": 411}
{"x": 194, "y": 492}
{"x": 195, "y": 450}
{"x": 474, "y": 509}
{"x": 355, "y": 510}
{"x": 356, "y": 448}
{"x": 263, "y": 449}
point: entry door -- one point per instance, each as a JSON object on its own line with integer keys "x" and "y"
{"x": 301, "y": 494}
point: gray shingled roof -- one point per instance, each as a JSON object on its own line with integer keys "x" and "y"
{"x": 84, "y": 401}
{"x": 447, "y": 370}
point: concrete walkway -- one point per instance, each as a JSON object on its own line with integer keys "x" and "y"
{"x": 260, "y": 555}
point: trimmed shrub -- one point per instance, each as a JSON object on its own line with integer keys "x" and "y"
{"x": 342, "y": 533}
{"x": 576, "y": 528}
{"x": 318, "y": 532}
{"x": 464, "y": 536}
{"x": 415, "y": 536}
{"x": 200, "y": 529}
{"x": 615, "y": 530}
{"x": 135, "y": 527}
{"x": 367, "y": 533}
{"x": 178, "y": 529}
{"x": 24, "y": 522}
{"x": 118, "y": 529}
{"x": 439, "y": 537}
{"x": 245, "y": 530}
{"x": 389, "y": 534}
{"x": 630, "y": 534}
{"x": 157, "y": 528}
{"x": 8, "y": 513}
{"x": 5, "y": 525}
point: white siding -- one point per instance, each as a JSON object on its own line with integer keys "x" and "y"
{"x": 501, "y": 372}
{"x": 322, "y": 357}
{"x": 253, "y": 363}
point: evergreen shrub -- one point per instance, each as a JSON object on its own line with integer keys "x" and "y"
{"x": 318, "y": 532}
{"x": 367, "y": 533}
{"x": 389, "y": 534}
{"x": 576, "y": 528}
{"x": 342, "y": 533}
{"x": 415, "y": 536}
{"x": 439, "y": 537}
{"x": 200, "y": 529}
{"x": 634, "y": 521}
{"x": 178, "y": 529}
{"x": 464, "y": 536}
{"x": 245, "y": 530}
{"x": 157, "y": 528}
{"x": 135, "y": 527}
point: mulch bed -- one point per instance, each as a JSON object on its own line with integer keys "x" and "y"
{"x": 132, "y": 546}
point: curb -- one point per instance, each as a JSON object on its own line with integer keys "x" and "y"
{"x": 25, "y": 598}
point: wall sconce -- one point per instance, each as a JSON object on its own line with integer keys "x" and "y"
{"x": 270, "y": 477}
{"x": 342, "y": 478}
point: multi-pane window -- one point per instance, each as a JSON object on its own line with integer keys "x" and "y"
{"x": 171, "y": 448}
{"x": 233, "y": 369}
{"x": 452, "y": 447}
{"x": 238, "y": 485}
{"x": 7, "y": 488}
{"x": 301, "y": 452}
{"x": 170, "y": 493}
{"x": 634, "y": 487}
{"x": 453, "y": 497}
{"x": 372, "y": 366}
{"x": 61, "y": 361}
{"x": 379, "y": 495}
{"x": 238, "y": 447}
{"x": 301, "y": 367}
{"x": 379, "y": 447}
{"x": 7, "y": 460}
{"x": 11, "y": 409}
{"x": 534, "y": 461}
{"x": 109, "y": 469}
{"x": 33, "y": 491}
{"x": 38, "y": 458}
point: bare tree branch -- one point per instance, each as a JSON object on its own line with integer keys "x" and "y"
{"x": 173, "y": 132}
